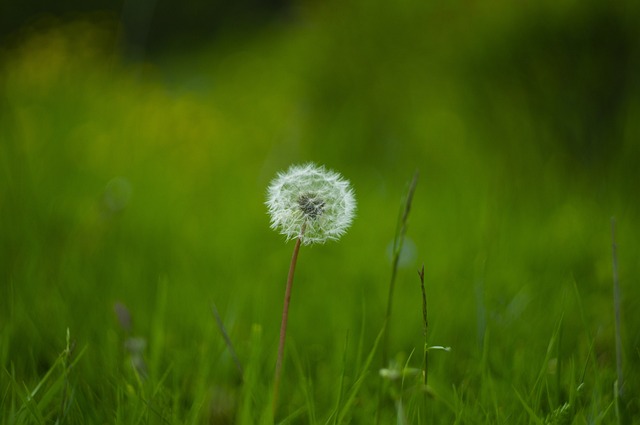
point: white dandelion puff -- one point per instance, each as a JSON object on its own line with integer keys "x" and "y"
{"x": 311, "y": 203}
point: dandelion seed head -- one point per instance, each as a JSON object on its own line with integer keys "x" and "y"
{"x": 312, "y": 198}
{"x": 311, "y": 205}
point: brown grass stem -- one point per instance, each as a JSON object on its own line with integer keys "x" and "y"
{"x": 425, "y": 325}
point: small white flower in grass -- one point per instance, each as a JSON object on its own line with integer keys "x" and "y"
{"x": 311, "y": 203}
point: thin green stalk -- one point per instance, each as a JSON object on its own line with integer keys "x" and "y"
{"x": 285, "y": 317}
{"x": 398, "y": 242}
{"x": 336, "y": 417}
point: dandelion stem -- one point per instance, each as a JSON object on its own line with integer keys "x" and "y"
{"x": 285, "y": 316}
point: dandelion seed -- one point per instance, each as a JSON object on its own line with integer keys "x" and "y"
{"x": 311, "y": 203}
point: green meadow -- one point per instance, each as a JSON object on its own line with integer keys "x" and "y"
{"x": 134, "y": 238}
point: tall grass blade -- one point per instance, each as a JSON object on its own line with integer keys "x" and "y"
{"x": 355, "y": 388}
{"x": 532, "y": 414}
{"x": 342, "y": 375}
{"x": 398, "y": 242}
{"x": 227, "y": 339}
{"x": 307, "y": 387}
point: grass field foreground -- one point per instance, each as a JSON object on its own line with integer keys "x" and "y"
{"x": 132, "y": 199}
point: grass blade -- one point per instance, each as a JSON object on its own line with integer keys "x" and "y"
{"x": 358, "y": 382}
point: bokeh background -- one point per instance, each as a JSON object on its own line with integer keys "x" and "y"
{"x": 137, "y": 140}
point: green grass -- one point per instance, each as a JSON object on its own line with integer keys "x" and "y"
{"x": 144, "y": 184}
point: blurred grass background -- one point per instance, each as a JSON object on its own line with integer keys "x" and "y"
{"x": 140, "y": 178}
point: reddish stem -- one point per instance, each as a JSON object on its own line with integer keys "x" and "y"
{"x": 283, "y": 326}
